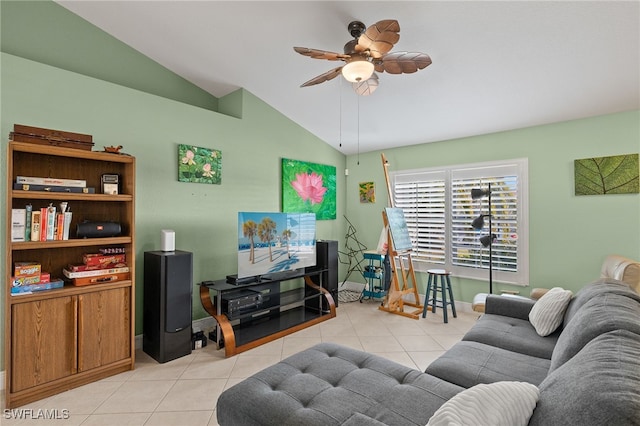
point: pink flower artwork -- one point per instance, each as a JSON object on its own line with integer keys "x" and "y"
{"x": 309, "y": 187}
{"x": 188, "y": 158}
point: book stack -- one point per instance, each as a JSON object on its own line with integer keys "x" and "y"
{"x": 109, "y": 265}
{"x": 29, "y": 277}
{"x": 30, "y": 183}
{"x": 45, "y": 224}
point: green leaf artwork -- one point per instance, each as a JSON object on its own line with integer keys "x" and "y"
{"x": 617, "y": 174}
{"x": 309, "y": 188}
{"x": 199, "y": 165}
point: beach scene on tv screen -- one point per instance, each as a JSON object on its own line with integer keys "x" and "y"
{"x": 275, "y": 242}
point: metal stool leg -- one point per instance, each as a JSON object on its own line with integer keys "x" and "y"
{"x": 426, "y": 297}
{"x": 453, "y": 303}
{"x": 444, "y": 299}
{"x": 434, "y": 294}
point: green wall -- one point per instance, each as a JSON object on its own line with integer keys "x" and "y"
{"x": 150, "y": 128}
{"x": 569, "y": 236}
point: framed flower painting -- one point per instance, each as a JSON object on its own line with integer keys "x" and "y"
{"x": 200, "y": 165}
{"x": 309, "y": 188}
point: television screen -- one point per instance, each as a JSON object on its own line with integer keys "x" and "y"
{"x": 270, "y": 243}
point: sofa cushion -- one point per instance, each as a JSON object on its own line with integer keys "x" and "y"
{"x": 598, "y": 386}
{"x": 509, "y": 306}
{"x": 605, "y": 312}
{"x": 327, "y": 384}
{"x": 496, "y": 404}
{"x": 470, "y": 363}
{"x": 594, "y": 290}
{"x": 512, "y": 334}
{"x": 548, "y": 312}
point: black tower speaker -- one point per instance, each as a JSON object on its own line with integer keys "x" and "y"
{"x": 168, "y": 284}
{"x": 327, "y": 258}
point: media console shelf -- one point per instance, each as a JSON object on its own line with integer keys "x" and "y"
{"x": 278, "y": 314}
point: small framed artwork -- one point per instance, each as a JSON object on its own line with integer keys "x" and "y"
{"x": 367, "y": 192}
{"x": 309, "y": 188}
{"x": 617, "y": 174}
{"x": 199, "y": 165}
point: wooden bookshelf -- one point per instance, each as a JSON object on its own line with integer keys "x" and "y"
{"x": 59, "y": 339}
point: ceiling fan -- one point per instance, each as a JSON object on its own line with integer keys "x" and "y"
{"x": 366, "y": 53}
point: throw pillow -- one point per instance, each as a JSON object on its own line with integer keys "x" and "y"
{"x": 496, "y": 404}
{"x": 548, "y": 312}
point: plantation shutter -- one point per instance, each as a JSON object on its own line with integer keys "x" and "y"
{"x": 422, "y": 197}
{"x": 466, "y": 247}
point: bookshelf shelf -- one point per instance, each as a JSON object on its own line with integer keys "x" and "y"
{"x": 63, "y": 323}
{"x": 65, "y": 196}
{"x": 76, "y": 242}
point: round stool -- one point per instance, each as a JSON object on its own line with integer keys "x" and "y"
{"x": 444, "y": 289}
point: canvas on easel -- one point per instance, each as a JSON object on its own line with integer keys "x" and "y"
{"x": 399, "y": 229}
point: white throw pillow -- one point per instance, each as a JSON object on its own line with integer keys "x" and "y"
{"x": 495, "y": 404}
{"x": 548, "y": 312}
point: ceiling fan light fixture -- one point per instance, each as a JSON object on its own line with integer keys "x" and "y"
{"x": 357, "y": 71}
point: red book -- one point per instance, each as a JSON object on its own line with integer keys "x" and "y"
{"x": 43, "y": 224}
{"x": 59, "y": 226}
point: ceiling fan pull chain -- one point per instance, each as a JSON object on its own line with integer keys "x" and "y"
{"x": 340, "y": 119}
{"x": 358, "y": 97}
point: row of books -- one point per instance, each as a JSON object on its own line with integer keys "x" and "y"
{"x": 30, "y": 183}
{"x": 78, "y": 183}
{"x": 44, "y": 224}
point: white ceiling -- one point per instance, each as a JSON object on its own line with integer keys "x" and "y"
{"x": 496, "y": 65}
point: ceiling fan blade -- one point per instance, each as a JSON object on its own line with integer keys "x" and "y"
{"x": 321, "y": 54}
{"x": 379, "y": 38}
{"x": 329, "y": 75}
{"x": 402, "y": 62}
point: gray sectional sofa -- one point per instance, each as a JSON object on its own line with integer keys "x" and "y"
{"x": 587, "y": 372}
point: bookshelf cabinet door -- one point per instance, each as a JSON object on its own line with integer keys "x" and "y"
{"x": 104, "y": 327}
{"x": 43, "y": 337}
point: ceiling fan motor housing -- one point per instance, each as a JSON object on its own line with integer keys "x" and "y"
{"x": 356, "y": 28}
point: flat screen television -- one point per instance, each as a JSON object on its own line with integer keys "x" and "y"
{"x": 271, "y": 244}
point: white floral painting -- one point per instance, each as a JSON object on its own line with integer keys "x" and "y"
{"x": 200, "y": 165}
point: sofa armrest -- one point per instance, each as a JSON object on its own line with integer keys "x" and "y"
{"x": 509, "y": 306}
{"x": 622, "y": 269}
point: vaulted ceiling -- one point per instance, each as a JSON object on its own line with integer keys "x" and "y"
{"x": 496, "y": 65}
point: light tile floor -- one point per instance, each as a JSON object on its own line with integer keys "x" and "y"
{"x": 185, "y": 391}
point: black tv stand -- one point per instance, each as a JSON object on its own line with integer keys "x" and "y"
{"x": 279, "y": 314}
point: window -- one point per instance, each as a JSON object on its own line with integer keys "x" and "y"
{"x": 438, "y": 208}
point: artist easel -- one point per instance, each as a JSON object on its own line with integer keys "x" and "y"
{"x": 405, "y": 283}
